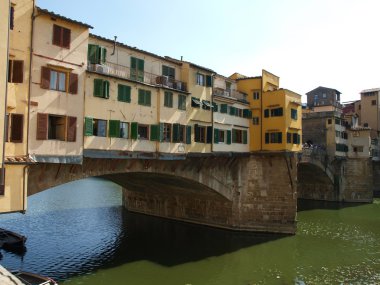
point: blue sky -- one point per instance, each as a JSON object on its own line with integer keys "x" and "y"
{"x": 308, "y": 43}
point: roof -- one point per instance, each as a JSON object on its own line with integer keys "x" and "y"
{"x": 251, "y": 77}
{"x": 321, "y": 87}
{"x": 192, "y": 64}
{"x": 370, "y": 90}
{"x": 52, "y": 14}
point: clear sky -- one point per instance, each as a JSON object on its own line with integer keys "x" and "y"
{"x": 308, "y": 43}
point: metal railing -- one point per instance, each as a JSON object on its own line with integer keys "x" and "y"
{"x": 230, "y": 93}
{"x": 122, "y": 71}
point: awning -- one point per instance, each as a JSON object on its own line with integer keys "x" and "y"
{"x": 207, "y": 104}
{"x": 196, "y": 101}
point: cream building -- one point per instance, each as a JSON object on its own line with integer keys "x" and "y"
{"x": 369, "y": 110}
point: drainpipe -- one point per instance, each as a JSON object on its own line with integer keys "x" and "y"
{"x": 2, "y": 182}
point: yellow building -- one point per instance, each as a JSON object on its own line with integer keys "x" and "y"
{"x": 369, "y": 112}
{"x": 16, "y": 155}
{"x": 276, "y": 113}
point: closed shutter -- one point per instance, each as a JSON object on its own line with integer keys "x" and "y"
{"x": 88, "y": 126}
{"x": 188, "y": 134}
{"x": 232, "y": 111}
{"x": 103, "y": 54}
{"x": 124, "y": 93}
{"x": 196, "y": 133}
{"x": 141, "y": 97}
{"x": 208, "y": 81}
{"x": 134, "y": 127}
{"x": 17, "y": 123}
{"x": 228, "y": 136}
{"x": 66, "y": 38}
{"x": 114, "y": 129}
{"x": 245, "y": 137}
{"x": 233, "y": 135}
{"x": 71, "y": 134}
{"x": 57, "y": 35}
{"x": 223, "y": 108}
{"x": 154, "y": 132}
{"x": 176, "y": 130}
{"x": 106, "y": 89}
{"x": 216, "y": 135}
{"x": 140, "y": 65}
{"x": 45, "y": 77}
{"x": 266, "y": 113}
{"x": 73, "y": 83}
{"x": 147, "y": 98}
{"x": 18, "y": 71}
{"x": 92, "y": 53}
{"x": 42, "y": 126}
{"x": 98, "y": 87}
{"x": 209, "y": 135}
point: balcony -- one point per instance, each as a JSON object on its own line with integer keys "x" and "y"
{"x": 239, "y": 96}
{"x": 125, "y": 72}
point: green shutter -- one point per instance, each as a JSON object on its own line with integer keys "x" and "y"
{"x": 134, "y": 127}
{"x": 216, "y": 135}
{"x": 188, "y": 134}
{"x": 245, "y": 137}
{"x": 106, "y": 89}
{"x": 98, "y": 87}
{"x": 133, "y": 62}
{"x": 154, "y": 132}
{"x": 103, "y": 54}
{"x": 208, "y": 81}
{"x": 176, "y": 132}
{"x": 196, "y": 133}
{"x": 114, "y": 129}
{"x": 215, "y": 107}
{"x": 228, "y": 136}
{"x": 140, "y": 65}
{"x": 124, "y": 93}
{"x": 223, "y": 108}
{"x": 209, "y": 134}
{"x": 165, "y": 70}
{"x": 148, "y": 95}
{"x": 92, "y": 53}
{"x": 232, "y": 111}
{"x": 88, "y": 126}
{"x": 141, "y": 97}
{"x": 245, "y": 113}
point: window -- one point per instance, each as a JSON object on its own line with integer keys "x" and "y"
{"x": 59, "y": 80}
{"x": 143, "y": 132}
{"x": 181, "y": 102}
{"x": 168, "y": 100}
{"x": 293, "y": 114}
{"x": 296, "y": 138}
{"x": 365, "y": 125}
{"x": 206, "y": 105}
{"x": 167, "y": 132}
{"x": 96, "y": 54}
{"x": 101, "y": 88}
{"x": 137, "y": 69}
{"x": 199, "y": 133}
{"x": 266, "y": 113}
{"x": 168, "y": 71}
{"x": 256, "y": 120}
{"x": 223, "y": 108}
{"x": 228, "y": 86}
{"x": 277, "y": 112}
{"x": 124, "y": 93}
{"x": 256, "y": 95}
{"x": 124, "y": 130}
{"x": 373, "y": 102}
{"x": 144, "y": 97}
{"x": 219, "y": 136}
{"x": 16, "y": 71}
{"x": 117, "y": 129}
{"x": 288, "y": 138}
{"x": 273, "y": 137}
{"x": 17, "y": 127}
{"x": 247, "y": 114}
{"x": 329, "y": 121}
{"x": 179, "y": 133}
{"x": 195, "y": 102}
{"x": 239, "y": 136}
{"x": 337, "y": 134}
{"x": 341, "y": 147}
{"x": 200, "y": 79}
{"x": 99, "y": 128}
{"x": 56, "y": 127}
{"x": 11, "y": 17}
{"x": 61, "y": 36}
{"x": 337, "y": 121}
{"x": 324, "y": 95}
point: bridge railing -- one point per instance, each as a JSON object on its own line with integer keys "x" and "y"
{"x": 316, "y": 155}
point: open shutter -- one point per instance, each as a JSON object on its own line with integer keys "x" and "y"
{"x": 209, "y": 135}
{"x": 73, "y": 83}
{"x": 42, "y": 126}
{"x": 17, "y": 123}
{"x": 92, "y": 53}
{"x": 228, "y": 136}
{"x": 103, "y": 55}
{"x": 176, "y": 131}
{"x": 88, "y": 126}
{"x": 106, "y": 89}
{"x": 98, "y": 87}
{"x": 208, "y": 81}
{"x": 188, "y": 134}
{"x": 114, "y": 128}
{"x": 134, "y": 127}
{"x": 196, "y": 133}
{"x": 216, "y": 135}
{"x": 45, "y": 77}
{"x": 245, "y": 137}
{"x": 71, "y": 134}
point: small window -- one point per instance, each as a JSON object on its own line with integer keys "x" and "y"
{"x": 277, "y": 112}
{"x": 275, "y": 137}
{"x": 56, "y": 127}
{"x": 17, "y": 127}
{"x": 99, "y": 128}
{"x": 124, "y": 93}
{"x": 293, "y": 114}
{"x": 59, "y": 80}
{"x": 144, "y": 97}
{"x": 168, "y": 71}
{"x": 373, "y": 102}
{"x": 324, "y": 95}
{"x": 167, "y": 132}
{"x": 143, "y": 132}
{"x": 199, "y": 133}
{"x": 16, "y": 71}
{"x": 337, "y": 121}
{"x": 179, "y": 133}
{"x": 266, "y": 113}
{"x": 201, "y": 79}
{"x": 288, "y": 138}
{"x": 168, "y": 100}
{"x": 256, "y": 95}
{"x": 181, "y": 102}
{"x": 61, "y": 36}
{"x": 220, "y": 136}
{"x": 137, "y": 69}
{"x": 195, "y": 102}
{"x": 329, "y": 121}
{"x": 206, "y": 105}
{"x": 365, "y": 125}
{"x": 228, "y": 86}
{"x": 124, "y": 127}
{"x": 256, "y": 120}
{"x": 11, "y": 17}
{"x": 101, "y": 88}
{"x": 237, "y": 136}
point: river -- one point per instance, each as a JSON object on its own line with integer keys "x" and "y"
{"x": 78, "y": 233}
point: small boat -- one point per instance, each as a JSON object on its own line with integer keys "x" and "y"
{"x": 11, "y": 241}
{"x": 33, "y": 279}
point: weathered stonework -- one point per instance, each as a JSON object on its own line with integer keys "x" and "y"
{"x": 376, "y": 178}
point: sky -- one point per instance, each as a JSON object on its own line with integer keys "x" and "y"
{"x": 307, "y": 43}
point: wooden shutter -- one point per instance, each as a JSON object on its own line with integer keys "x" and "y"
{"x": 208, "y": 81}
{"x": 209, "y": 135}
{"x": 176, "y": 130}
{"x": 92, "y": 54}
{"x": 18, "y": 71}
{"x": 98, "y": 87}
{"x": 245, "y": 137}
{"x": 114, "y": 129}
{"x": 188, "y": 134}
{"x": 57, "y": 31}
{"x": 17, "y": 128}
{"x": 73, "y": 83}
{"x": 134, "y": 127}
{"x": 42, "y": 126}
{"x": 88, "y": 126}
{"x": 196, "y": 133}
{"x": 154, "y": 132}
{"x": 223, "y": 108}
{"x": 103, "y": 55}
{"x": 71, "y": 134}
{"x": 45, "y": 77}
{"x": 216, "y": 135}
{"x": 66, "y": 38}
{"x": 12, "y": 18}
{"x": 228, "y": 136}
{"x": 106, "y": 89}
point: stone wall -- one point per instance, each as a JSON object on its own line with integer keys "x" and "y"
{"x": 376, "y": 178}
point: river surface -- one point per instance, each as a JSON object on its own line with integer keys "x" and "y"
{"x": 78, "y": 233}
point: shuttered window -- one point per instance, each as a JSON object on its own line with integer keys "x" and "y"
{"x": 17, "y": 127}
{"x": 143, "y": 132}
{"x": 123, "y": 130}
{"x": 88, "y": 126}
{"x": 137, "y": 69}
{"x": 181, "y": 102}
{"x": 168, "y": 99}
{"x": 56, "y": 127}
{"x": 59, "y": 80}
{"x": 61, "y": 36}
{"x": 16, "y": 71}
{"x": 166, "y": 132}
{"x": 199, "y": 133}
{"x": 100, "y": 128}
{"x": 42, "y": 126}
{"x": 96, "y": 54}
{"x": 73, "y": 83}
{"x": 188, "y": 134}
{"x": 144, "y": 97}
{"x": 155, "y": 132}
{"x": 114, "y": 128}
{"x": 168, "y": 71}
{"x": 208, "y": 81}
{"x": 200, "y": 79}
{"x": 124, "y": 93}
{"x": 223, "y": 108}
{"x": 101, "y": 88}
{"x": 209, "y": 134}
{"x": 228, "y": 136}
{"x": 71, "y": 135}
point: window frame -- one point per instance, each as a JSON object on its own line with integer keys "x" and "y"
{"x": 294, "y": 114}
{"x": 166, "y": 132}
{"x": 59, "y": 38}
{"x": 96, "y": 130}
{"x": 15, "y": 74}
{"x": 141, "y": 127}
{"x": 144, "y": 97}
{"x": 201, "y": 79}
{"x": 182, "y": 102}
{"x": 256, "y": 121}
{"x": 168, "y": 99}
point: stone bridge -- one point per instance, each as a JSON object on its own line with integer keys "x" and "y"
{"x": 322, "y": 177}
{"x": 244, "y": 192}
